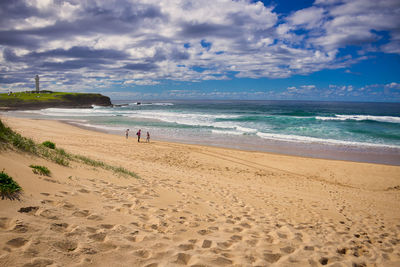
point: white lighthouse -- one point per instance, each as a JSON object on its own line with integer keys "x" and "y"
{"x": 37, "y": 83}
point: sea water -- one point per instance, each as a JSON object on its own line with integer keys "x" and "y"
{"x": 337, "y": 130}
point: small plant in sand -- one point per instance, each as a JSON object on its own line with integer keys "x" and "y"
{"x": 8, "y": 187}
{"x": 49, "y": 144}
{"x": 40, "y": 170}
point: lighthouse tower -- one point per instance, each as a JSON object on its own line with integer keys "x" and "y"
{"x": 37, "y": 83}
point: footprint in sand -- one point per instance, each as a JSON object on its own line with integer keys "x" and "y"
{"x": 49, "y": 214}
{"x": 204, "y": 232}
{"x": 95, "y": 217}
{"x": 88, "y": 251}
{"x": 186, "y": 247}
{"x": 59, "y": 227}
{"x": 81, "y": 213}
{"x": 17, "y": 242}
{"x": 83, "y": 190}
{"x": 30, "y": 209}
{"x": 142, "y": 253}
{"x": 91, "y": 230}
{"x": 106, "y": 246}
{"x": 183, "y": 258}
{"x": 206, "y": 243}
{"x": 106, "y": 226}
{"x": 99, "y": 237}
{"x": 287, "y": 249}
{"x": 39, "y": 262}
{"x": 4, "y": 222}
{"x": 236, "y": 238}
{"x": 272, "y": 257}
{"x": 20, "y": 227}
{"x": 66, "y": 245}
{"x": 221, "y": 261}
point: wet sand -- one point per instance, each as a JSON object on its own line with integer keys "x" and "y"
{"x": 194, "y": 205}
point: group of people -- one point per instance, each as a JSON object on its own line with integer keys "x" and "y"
{"x": 139, "y": 133}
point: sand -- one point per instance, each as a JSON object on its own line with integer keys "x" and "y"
{"x": 194, "y": 205}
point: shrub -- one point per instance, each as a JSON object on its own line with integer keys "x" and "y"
{"x": 60, "y": 160}
{"x": 23, "y": 143}
{"x": 8, "y": 187}
{"x": 5, "y": 133}
{"x": 49, "y": 144}
{"x": 61, "y": 152}
{"x": 40, "y": 170}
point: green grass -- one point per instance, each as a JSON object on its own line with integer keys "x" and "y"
{"x": 37, "y": 169}
{"x": 33, "y": 96}
{"x": 43, "y": 96}
{"x": 96, "y": 163}
{"x": 88, "y": 161}
{"x": 8, "y": 187}
{"x": 9, "y": 138}
{"x": 49, "y": 144}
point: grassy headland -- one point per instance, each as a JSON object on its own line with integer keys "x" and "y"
{"x": 47, "y": 99}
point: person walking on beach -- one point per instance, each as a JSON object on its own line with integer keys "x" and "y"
{"x": 127, "y": 133}
{"x": 148, "y": 138}
{"x": 138, "y": 135}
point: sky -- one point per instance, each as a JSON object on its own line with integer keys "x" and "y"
{"x": 329, "y": 50}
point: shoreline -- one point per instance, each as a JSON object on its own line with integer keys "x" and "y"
{"x": 375, "y": 155}
{"x": 193, "y": 205}
{"x": 317, "y": 151}
{"x": 133, "y": 141}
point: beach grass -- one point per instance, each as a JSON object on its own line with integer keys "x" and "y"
{"x": 37, "y": 169}
{"x": 58, "y": 155}
{"x": 8, "y": 187}
{"x": 49, "y": 144}
{"x": 96, "y": 163}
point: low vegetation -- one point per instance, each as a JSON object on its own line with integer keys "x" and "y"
{"x": 49, "y": 144}
{"x": 96, "y": 163}
{"x": 33, "y": 99}
{"x": 42, "y": 170}
{"x": 43, "y": 96}
{"x": 58, "y": 155}
{"x": 8, "y": 187}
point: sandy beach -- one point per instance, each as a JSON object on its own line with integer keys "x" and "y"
{"x": 194, "y": 205}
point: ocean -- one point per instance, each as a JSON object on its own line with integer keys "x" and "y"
{"x": 367, "y": 132}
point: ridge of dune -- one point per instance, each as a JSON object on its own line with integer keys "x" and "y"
{"x": 194, "y": 205}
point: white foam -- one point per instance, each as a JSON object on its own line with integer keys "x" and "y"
{"x": 226, "y": 132}
{"x": 76, "y": 112}
{"x": 307, "y": 139}
{"x": 245, "y": 130}
{"x": 150, "y": 104}
{"x": 390, "y": 119}
{"x": 97, "y": 126}
{"x": 192, "y": 119}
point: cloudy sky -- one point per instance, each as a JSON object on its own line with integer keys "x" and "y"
{"x": 204, "y": 49}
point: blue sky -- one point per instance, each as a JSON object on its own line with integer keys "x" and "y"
{"x": 211, "y": 49}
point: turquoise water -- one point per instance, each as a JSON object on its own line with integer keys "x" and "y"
{"x": 333, "y": 128}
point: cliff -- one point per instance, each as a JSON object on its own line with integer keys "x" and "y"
{"x": 48, "y": 99}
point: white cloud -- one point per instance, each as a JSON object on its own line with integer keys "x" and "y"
{"x": 309, "y": 18}
{"x": 393, "y": 85}
{"x": 144, "y": 42}
{"x": 336, "y": 24}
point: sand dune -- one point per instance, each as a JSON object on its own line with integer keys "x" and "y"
{"x": 195, "y": 206}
